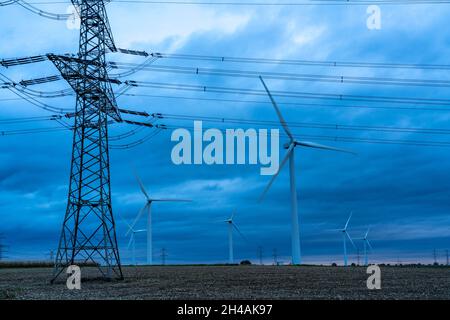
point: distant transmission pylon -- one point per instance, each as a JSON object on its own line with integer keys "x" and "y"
{"x": 260, "y": 255}
{"x": 163, "y": 256}
{"x": 88, "y": 233}
{"x": 2, "y": 248}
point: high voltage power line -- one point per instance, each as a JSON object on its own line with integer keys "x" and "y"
{"x": 285, "y": 76}
{"x": 295, "y": 104}
{"x": 293, "y": 124}
{"x": 305, "y": 124}
{"x": 416, "y": 107}
{"x": 259, "y": 3}
{"x": 317, "y": 63}
{"x": 289, "y": 94}
{"x": 30, "y": 5}
{"x": 27, "y": 94}
{"x": 421, "y": 143}
{"x": 274, "y": 124}
{"x": 30, "y": 131}
{"x": 257, "y": 60}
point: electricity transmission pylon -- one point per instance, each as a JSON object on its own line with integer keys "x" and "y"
{"x": 88, "y": 232}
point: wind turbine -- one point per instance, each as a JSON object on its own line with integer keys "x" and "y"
{"x": 132, "y": 242}
{"x": 367, "y": 247}
{"x": 231, "y": 226}
{"x": 290, "y": 146}
{"x": 147, "y": 209}
{"x": 345, "y": 236}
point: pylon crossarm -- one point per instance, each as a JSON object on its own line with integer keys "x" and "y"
{"x": 20, "y": 61}
{"x": 136, "y": 113}
{"x": 126, "y": 111}
{"x": 70, "y": 69}
{"x": 133, "y": 52}
{"x": 30, "y": 82}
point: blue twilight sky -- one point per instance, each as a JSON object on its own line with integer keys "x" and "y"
{"x": 400, "y": 191}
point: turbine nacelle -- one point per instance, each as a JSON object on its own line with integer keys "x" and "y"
{"x": 149, "y": 202}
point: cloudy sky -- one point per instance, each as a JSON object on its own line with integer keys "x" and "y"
{"x": 401, "y": 191}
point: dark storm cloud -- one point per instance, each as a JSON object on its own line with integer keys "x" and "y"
{"x": 401, "y": 191}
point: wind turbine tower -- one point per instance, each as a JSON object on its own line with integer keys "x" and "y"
{"x": 346, "y": 236}
{"x": 231, "y": 225}
{"x": 367, "y": 247}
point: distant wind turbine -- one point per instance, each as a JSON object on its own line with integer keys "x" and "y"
{"x": 147, "y": 209}
{"x": 231, "y": 226}
{"x": 345, "y": 236}
{"x": 132, "y": 243}
{"x": 290, "y": 146}
{"x": 367, "y": 247}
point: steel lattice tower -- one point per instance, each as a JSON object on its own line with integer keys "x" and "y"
{"x": 88, "y": 232}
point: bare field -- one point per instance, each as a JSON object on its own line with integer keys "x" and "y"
{"x": 234, "y": 282}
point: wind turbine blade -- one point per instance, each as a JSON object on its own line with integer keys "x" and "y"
{"x": 367, "y": 233}
{"x": 368, "y": 243}
{"x": 321, "y": 146}
{"x": 346, "y": 225}
{"x": 232, "y": 215}
{"x": 239, "y": 231}
{"x": 349, "y": 238}
{"x": 131, "y": 241}
{"x": 286, "y": 158}
{"x": 123, "y": 220}
{"x": 280, "y": 116}
{"x": 141, "y": 212}
{"x": 141, "y": 185}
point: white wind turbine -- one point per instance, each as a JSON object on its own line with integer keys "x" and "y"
{"x": 132, "y": 242}
{"x": 345, "y": 236}
{"x": 231, "y": 226}
{"x": 367, "y": 247}
{"x": 290, "y": 146}
{"x": 147, "y": 209}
